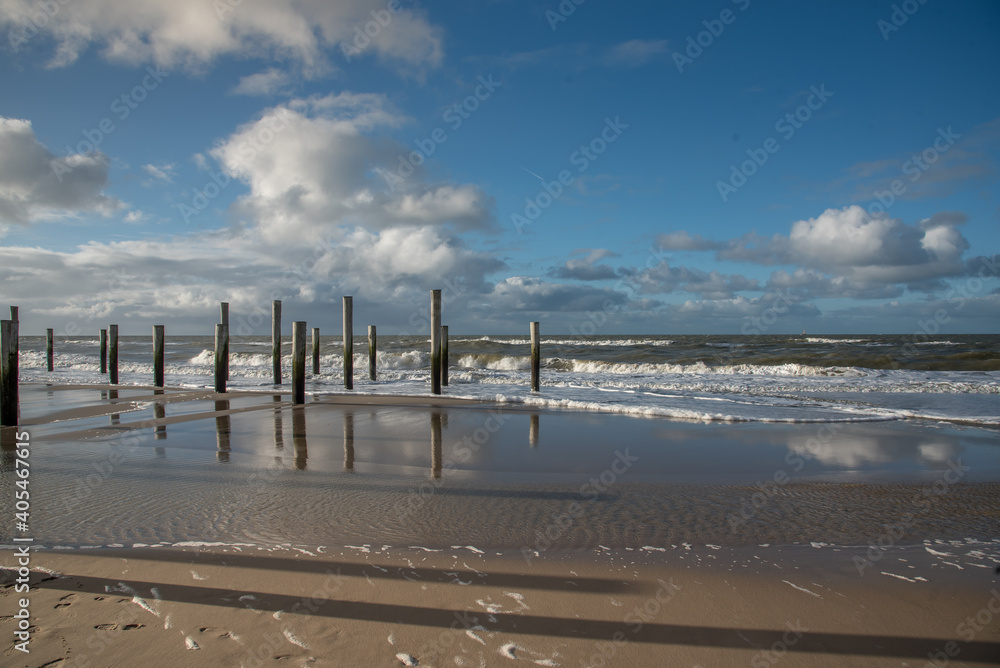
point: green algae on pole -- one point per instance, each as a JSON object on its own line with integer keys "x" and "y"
{"x": 536, "y": 357}
{"x": 113, "y": 354}
{"x": 371, "y": 353}
{"x": 299, "y": 362}
{"x": 276, "y": 340}
{"x": 158, "y": 365}
{"x": 8, "y": 371}
{"x": 349, "y": 343}
{"x": 436, "y": 341}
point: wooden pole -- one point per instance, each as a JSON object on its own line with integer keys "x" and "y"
{"x": 371, "y": 353}
{"x": 224, "y": 319}
{"x": 299, "y": 362}
{"x": 444, "y": 355}
{"x": 113, "y": 354}
{"x": 221, "y": 353}
{"x": 50, "y": 356}
{"x": 533, "y": 430}
{"x": 104, "y": 351}
{"x": 8, "y": 371}
{"x": 436, "y": 341}
{"x": 536, "y": 357}
{"x": 315, "y": 351}
{"x": 276, "y": 339}
{"x": 13, "y": 314}
{"x": 158, "y": 365}
{"x": 349, "y": 343}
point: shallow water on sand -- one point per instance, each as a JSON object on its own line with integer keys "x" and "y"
{"x": 256, "y": 469}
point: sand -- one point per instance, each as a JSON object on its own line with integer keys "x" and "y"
{"x": 648, "y": 573}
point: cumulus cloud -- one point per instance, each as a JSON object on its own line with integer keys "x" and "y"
{"x": 192, "y": 33}
{"x": 663, "y": 278}
{"x": 162, "y": 173}
{"x": 849, "y": 253}
{"x": 586, "y": 268}
{"x": 315, "y": 164}
{"x": 36, "y": 185}
{"x": 268, "y": 82}
{"x": 183, "y": 279}
{"x": 528, "y": 293}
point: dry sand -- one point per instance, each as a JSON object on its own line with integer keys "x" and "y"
{"x": 223, "y": 607}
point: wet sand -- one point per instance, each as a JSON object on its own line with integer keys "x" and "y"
{"x": 551, "y": 528}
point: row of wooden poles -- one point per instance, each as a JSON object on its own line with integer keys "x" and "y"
{"x": 109, "y": 353}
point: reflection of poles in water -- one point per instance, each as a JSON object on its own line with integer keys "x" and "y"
{"x": 533, "y": 430}
{"x": 436, "y": 444}
{"x": 349, "y": 441}
{"x": 279, "y": 439}
{"x": 115, "y": 417}
{"x": 161, "y": 453}
{"x": 223, "y": 427}
{"x": 299, "y": 436}
{"x": 160, "y": 413}
{"x": 8, "y": 446}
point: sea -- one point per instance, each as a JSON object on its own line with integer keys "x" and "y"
{"x": 734, "y": 378}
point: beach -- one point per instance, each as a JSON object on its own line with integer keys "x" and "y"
{"x": 426, "y": 530}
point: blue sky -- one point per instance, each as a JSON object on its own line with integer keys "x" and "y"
{"x": 711, "y": 167}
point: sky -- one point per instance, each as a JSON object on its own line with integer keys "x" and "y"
{"x": 722, "y": 167}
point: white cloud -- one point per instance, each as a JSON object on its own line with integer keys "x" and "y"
{"x": 527, "y": 293}
{"x": 849, "y": 252}
{"x": 38, "y": 185}
{"x": 312, "y": 165}
{"x": 136, "y": 216}
{"x": 184, "y": 278}
{"x": 162, "y": 173}
{"x": 193, "y": 33}
{"x": 268, "y": 82}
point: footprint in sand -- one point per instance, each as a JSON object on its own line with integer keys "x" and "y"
{"x": 65, "y": 601}
{"x": 116, "y": 627}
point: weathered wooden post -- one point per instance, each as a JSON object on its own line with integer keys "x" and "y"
{"x": 536, "y": 357}
{"x": 8, "y": 371}
{"x": 276, "y": 339}
{"x": 224, "y": 319}
{"x": 158, "y": 365}
{"x": 315, "y": 351}
{"x": 436, "y": 341}
{"x": 533, "y": 430}
{"x": 50, "y": 356}
{"x": 113, "y": 354}
{"x": 299, "y": 362}
{"x": 13, "y": 314}
{"x": 444, "y": 355}
{"x": 221, "y": 353}
{"x": 104, "y": 351}
{"x": 349, "y": 343}
{"x": 371, "y": 353}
